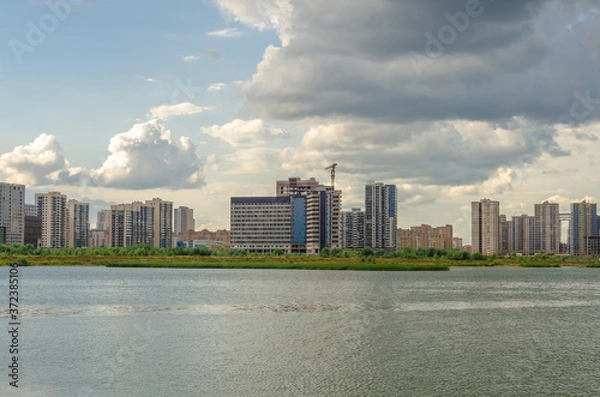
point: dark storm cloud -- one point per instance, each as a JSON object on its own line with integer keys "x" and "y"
{"x": 398, "y": 61}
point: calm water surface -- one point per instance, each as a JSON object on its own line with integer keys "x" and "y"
{"x": 90, "y": 331}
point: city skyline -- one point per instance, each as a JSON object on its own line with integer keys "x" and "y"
{"x": 100, "y": 219}
{"x": 196, "y": 102}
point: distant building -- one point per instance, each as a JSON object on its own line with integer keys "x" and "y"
{"x": 103, "y": 220}
{"x": 304, "y": 217}
{"x": 323, "y": 219}
{"x": 2, "y": 234}
{"x": 183, "y": 220}
{"x": 190, "y": 238}
{"x": 485, "y": 227}
{"x": 163, "y": 222}
{"x": 353, "y": 229}
{"x": 457, "y": 243}
{"x": 522, "y": 235}
{"x": 583, "y": 228}
{"x": 261, "y": 224}
{"x": 12, "y": 212}
{"x": 98, "y": 238}
{"x": 381, "y": 216}
{"x": 547, "y": 228}
{"x": 506, "y": 237}
{"x": 52, "y": 207}
{"x": 131, "y": 225}
{"x": 296, "y": 186}
{"x": 33, "y": 230}
{"x": 30, "y": 210}
{"x": 78, "y": 224}
{"x": 425, "y": 236}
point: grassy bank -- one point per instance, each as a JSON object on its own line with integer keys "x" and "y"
{"x": 250, "y": 262}
{"x": 288, "y": 262}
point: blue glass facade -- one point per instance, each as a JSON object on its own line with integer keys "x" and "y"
{"x": 298, "y": 220}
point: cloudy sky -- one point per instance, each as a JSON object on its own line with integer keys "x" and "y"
{"x": 195, "y": 101}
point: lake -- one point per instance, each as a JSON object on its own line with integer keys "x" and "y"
{"x": 95, "y": 331}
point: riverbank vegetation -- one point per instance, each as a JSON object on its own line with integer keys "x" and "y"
{"x": 329, "y": 259}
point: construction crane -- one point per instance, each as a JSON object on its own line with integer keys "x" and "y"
{"x": 332, "y": 168}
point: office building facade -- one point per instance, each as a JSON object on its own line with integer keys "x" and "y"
{"x": 261, "y": 224}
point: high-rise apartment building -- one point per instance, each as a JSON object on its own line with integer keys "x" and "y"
{"x": 163, "y": 222}
{"x": 522, "y": 235}
{"x": 103, "y": 220}
{"x": 353, "y": 229}
{"x": 547, "y": 228}
{"x": 485, "y": 227}
{"x": 381, "y": 216}
{"x": 131, "y": 225}
{"x": 323, "y": 219}
{"x": 183, "y": 220}
{"x": 12, "y": 212}
{"x": 506, "y": 238}
{"x": 583, "y": 228}
{"x": 52, "y": 207}
{"x": 78, "y": 224}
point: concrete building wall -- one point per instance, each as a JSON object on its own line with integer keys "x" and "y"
{"x": 547, "y": 228}
{"x": 485, "y": 227}
{"x": 163, "y": 222}
{"x": 183, "y": 220}
{"x": 78, "y": 224}
{"x": 12, "y": 212}
{"x": 52, "y": 207}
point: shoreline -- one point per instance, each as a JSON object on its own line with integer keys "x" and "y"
{"x": 288, "y": 262}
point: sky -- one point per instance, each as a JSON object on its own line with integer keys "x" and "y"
{"x": 196, "y": 101}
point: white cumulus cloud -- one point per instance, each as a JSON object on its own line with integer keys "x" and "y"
{"x": 146, "y": 157}
{"x": 40, "y": 162}
{"x": 261, "y": 15}
{"x": 216, "y": 87}
{"x": 245, "y": 132}
{"x": 181, "y": 109}
{"x": 190, "y": 58}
